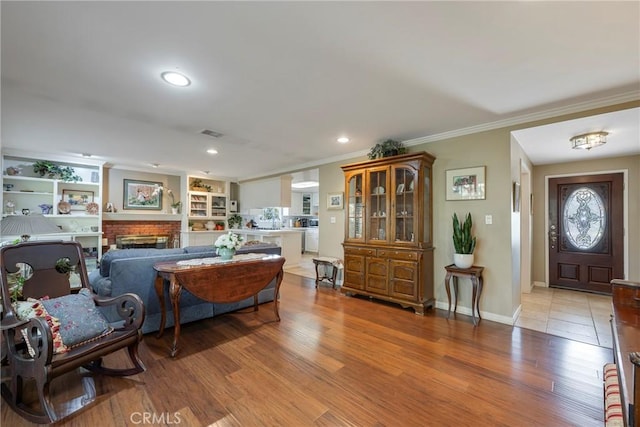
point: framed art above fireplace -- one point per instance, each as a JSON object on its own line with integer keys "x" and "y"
{"x": 142, "y": 195}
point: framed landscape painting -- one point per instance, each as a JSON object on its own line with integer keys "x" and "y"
{"x": 142, "y": 195}
{"x": 77, "y": 199}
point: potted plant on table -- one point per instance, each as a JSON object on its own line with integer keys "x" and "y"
{"x": 227, "y": 244}
{"x": 463, "y": 242}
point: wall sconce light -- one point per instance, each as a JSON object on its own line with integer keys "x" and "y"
{"x": 589, "y": 140}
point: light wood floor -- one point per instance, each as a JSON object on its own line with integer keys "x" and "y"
{"x": 335, "y": 360}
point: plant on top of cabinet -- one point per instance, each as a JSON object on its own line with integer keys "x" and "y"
{"x": 198, "y": 185}
{"x": 53, "y": 171}
{"x": 387, "y": 148}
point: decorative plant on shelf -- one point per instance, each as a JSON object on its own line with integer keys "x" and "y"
{"x": 198, "y": 185}
{"x": 463, "y": 241}
{"x": 387, "y": 148}
{"x": 53, "y": 171}
{"x": 234, "y": 220}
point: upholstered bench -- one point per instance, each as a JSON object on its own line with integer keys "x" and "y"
{"x": 612, "y": 403}
{"x": 327, "y": 263}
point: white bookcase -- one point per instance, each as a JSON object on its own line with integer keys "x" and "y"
{"x": 24, "y": 191}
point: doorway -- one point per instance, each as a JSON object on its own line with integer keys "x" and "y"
{"x": 586, "y": 231}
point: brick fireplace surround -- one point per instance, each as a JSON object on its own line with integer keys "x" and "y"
{"x": 111, "y": 229}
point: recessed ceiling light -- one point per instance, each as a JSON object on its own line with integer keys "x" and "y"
{"x": 343, "y": 140}
{"x": 175, "y": 78}
{"x": 212, "y": 151}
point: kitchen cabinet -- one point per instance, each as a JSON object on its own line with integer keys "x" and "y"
{"x": 75, "y": 207}
{"x": 306, "y": 203}
{"x": 311, "y": 240}
{"x": 265, "y": 193}
{"x": 315, "y": 203}
{"x": 388, "y": 247}
{"x": 296, "y": 204}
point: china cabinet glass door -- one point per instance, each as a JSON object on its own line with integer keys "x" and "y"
{"x": 405, "y": 198}
{"x": 355, "y": 207}
{"x": 378, "y": 209}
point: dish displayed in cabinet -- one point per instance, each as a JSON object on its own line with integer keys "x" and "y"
{"x": 64, "y": 208}
{"x": 92, "y": 208}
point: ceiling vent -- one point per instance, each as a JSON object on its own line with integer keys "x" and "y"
{"x": 212, "y": 133}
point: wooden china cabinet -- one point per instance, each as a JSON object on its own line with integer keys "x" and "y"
{"x": 388, "y": 244}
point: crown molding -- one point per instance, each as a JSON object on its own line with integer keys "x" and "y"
{"x": 526, "y": 118}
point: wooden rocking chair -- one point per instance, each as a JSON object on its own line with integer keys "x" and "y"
{"x": 29, "y": 353}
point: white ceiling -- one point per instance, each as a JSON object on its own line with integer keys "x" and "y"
{"x": 283, "y": 80}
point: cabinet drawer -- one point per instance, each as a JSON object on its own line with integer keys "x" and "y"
{"x": 359, "y": 251}
{"x": 401, "y": 255}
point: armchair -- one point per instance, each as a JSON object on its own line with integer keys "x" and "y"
{"x": 32, "y": 353}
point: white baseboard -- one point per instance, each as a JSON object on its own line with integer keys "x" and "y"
{"x": 443, "y": 305}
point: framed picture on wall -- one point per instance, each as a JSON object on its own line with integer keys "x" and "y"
{"x": 465, "y": 184}
{"x": 77, "y": 199}
{"x": 142, "y": 195}
{"x": 335, "y": 200}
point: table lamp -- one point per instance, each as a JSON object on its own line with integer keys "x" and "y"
{"x": 27, "y": 225}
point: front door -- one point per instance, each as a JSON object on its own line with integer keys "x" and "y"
{"x": 586, "y": 247}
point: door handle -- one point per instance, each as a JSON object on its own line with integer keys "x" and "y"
{"x": 553, "y": 236}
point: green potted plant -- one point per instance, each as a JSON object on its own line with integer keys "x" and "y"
{"x": 387, "y": 148}
{"x": 53, "y": 171}
{"x": 463, "y": 242}
{"x": 234, "y": 220}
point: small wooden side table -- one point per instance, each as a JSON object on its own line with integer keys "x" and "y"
{"x": 326, "y": 262}
{"x": 474, "y": 273}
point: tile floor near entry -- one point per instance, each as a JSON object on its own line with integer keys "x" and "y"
{"x": 579, "y": 316}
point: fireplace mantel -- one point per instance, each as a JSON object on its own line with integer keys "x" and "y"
{"x": 145, "y": 216}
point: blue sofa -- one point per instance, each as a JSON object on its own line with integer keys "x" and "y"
{"x": 131, "y": 270}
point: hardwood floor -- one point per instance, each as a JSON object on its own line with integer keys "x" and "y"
{"x": 335, "y": 360}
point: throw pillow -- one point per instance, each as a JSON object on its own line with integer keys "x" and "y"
{"x": 33, "y": 308}
{"x": 80, "y": 320}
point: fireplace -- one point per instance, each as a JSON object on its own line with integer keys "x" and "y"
{"x": 112, "y": 229}
{"x": 130, "y": 241}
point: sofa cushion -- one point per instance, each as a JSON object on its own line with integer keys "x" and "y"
{"x": 199, "y": 249}
{"x": 100, "y": 285}
{"x": 105, "y": 262}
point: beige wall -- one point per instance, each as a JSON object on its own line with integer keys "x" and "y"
{"x": 498, "y": 244}
{"x": 631, "y": 164}
{"x": 114, "y": 186}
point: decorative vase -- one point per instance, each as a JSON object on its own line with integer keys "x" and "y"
{"x": 226, "y": 253}
{"x": 174, "y": 211}
{"x": 463, "y": 260}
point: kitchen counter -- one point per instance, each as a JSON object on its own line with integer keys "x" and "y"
{"x": 288, "y": 239}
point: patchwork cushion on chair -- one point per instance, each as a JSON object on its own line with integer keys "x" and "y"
{"x": 26, "y": 310}
{"x": 80, "y": 320}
